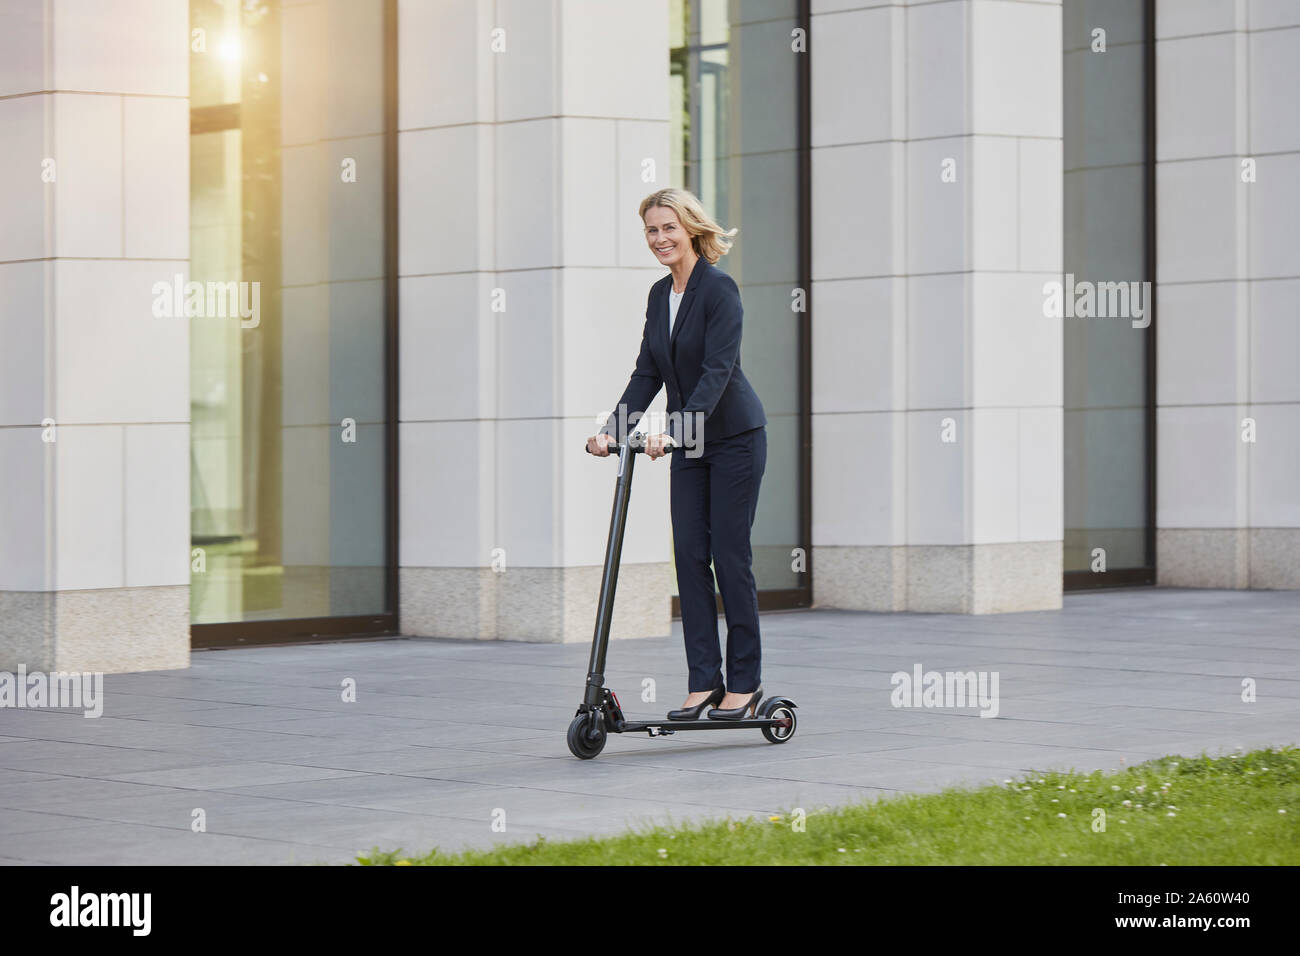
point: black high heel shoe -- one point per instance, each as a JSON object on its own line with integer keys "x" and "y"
{"x": 693, "y": 713}
{"x": 738, "y": 713}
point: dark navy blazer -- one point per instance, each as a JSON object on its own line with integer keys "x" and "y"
{"x": 700, "y": 362}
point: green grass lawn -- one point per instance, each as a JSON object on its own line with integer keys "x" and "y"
{"x": 1238, "y": 809}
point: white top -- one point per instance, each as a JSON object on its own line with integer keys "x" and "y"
{"x": 674, "y": 300}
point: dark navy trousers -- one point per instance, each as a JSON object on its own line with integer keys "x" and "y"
{"x": 714, "y": 499}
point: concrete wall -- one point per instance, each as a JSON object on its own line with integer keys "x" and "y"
{"x": 526, "y": 131}
{"x": 94, "y": 197}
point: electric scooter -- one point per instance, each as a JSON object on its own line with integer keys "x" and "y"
{"x": 600, "y": 713}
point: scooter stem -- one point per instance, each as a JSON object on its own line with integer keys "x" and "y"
{"x": 609, "y": 579}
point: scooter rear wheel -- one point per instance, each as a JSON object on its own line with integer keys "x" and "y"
{"x": 586, "y": 736}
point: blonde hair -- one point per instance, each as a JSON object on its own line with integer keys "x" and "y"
{"x": 708, "y": 239}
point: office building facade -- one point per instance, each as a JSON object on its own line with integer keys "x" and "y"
{"x": 307, "y": 307}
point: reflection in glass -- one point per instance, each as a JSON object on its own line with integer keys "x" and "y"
{"x": 289, "y": 458}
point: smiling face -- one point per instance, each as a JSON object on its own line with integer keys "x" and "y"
{"x": 667, "y": 239}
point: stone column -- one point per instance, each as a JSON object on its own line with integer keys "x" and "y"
{"x": 1228, "y": 266}
{"x": 527, "y": 128}
{"x": 94, "y": 388}
{"x": 937, "y": 380}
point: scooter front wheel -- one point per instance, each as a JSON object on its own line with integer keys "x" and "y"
{"x": 586, "y": 735}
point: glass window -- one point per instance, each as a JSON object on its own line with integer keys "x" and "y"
{"x": 736, "y": 143}
{"x": 1107, "y": 237}
{"x": 288, "y": 389}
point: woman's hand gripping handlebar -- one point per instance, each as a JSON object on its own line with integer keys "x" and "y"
{"x": 656, "y": 446}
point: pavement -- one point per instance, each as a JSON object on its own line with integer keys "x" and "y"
{"x": 252, "y": 756}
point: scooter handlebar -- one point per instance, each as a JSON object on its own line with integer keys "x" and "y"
{"x": 636, "y": 443}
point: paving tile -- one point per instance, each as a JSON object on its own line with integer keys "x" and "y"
{"x": 100, "y": 761}
{"x": 367, "y": 791}
{"x": 1025, "y": 757}
{"x": 74, "y": 793}
{"x": 23, "y": 821}
{"x": 227, "y": 776}
{"x": 170, "y": 808}
{"x": 410, "y": 760}
{"x": 17, "y": 779}
{"x": 133, "y": 844}
{"x": 362, "y": 830}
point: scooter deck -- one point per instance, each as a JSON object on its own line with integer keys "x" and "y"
{"x": 657, "y": 727}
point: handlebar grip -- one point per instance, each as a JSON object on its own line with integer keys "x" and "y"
{"x": 634, "y": 444}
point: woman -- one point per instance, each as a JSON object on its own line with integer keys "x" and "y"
{"x": 691, "y": 343}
